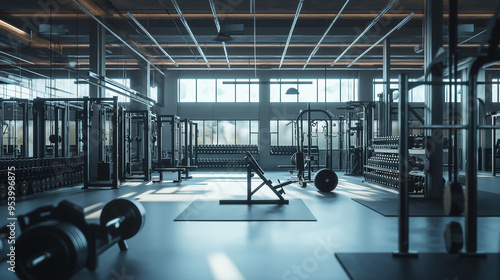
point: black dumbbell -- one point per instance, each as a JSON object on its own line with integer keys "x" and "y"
{"x": 56, "y": 242}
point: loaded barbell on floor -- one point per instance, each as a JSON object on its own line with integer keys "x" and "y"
{"x": 56, "y": 242}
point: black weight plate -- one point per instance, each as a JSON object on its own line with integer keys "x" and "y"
{"x": 133, "y": 212}
{"x": 453, "y": 238}
{"x": 453, "y": 199}
{"x": 325, "y": 180}
{"x": 64, "y": 246}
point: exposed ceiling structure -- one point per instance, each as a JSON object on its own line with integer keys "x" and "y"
{"x": 226, "y": 34}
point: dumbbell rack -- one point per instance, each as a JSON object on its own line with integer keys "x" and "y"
{"x": 383, "y": 165}
{"x": 219, "y": 156}
{"x": 35, "y": 175}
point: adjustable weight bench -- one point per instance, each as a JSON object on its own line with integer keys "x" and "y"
{"x": 253, "y": 166}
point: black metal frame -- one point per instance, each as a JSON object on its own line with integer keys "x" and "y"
{"x": 302, "y": 175}
{"x": 127, "y": 118}
{"x": 253, "y": 166}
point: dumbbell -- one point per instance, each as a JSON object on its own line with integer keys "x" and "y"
{"x": 59, "y": 242}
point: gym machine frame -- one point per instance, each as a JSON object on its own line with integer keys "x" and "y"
{"x": 363, "y": 135}
{"x": 253, "y": 166}
{"x": 190, "y": 159}
{"x": 25, "y": 105}
{"x": 62, "y": 109}
{"x": 127, "y": 118}
{"x": 176, "y": 152}
{"x": 325, "y": 179}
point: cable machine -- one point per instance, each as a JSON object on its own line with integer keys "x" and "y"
{"x": 325, "y": 179}
{"x": 136, "y": 144}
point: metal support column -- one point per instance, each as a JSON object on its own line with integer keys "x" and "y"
{"x": 38, "y": 128}
{"x": 56, "y": 131}
{"x": 65, "y": 131}
{"x": 385, "y": 123}
{"x": 434, "y": 97}
{"x": 115, "y": 143}
{"x": 25, "y": 149}
{"x": 85, "y": 140}
{"x": 404, "y": 170}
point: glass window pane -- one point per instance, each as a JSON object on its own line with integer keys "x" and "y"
{"x": 418, "y": 94}
{"x": 242, "y": 91}
{"x": 321, "y": 134}
{"x": 494, "y": 91}
{"x": 274, "y": 126}
{"x": 284, "y": 87}
{"x": 275, "y": 91}
{"x": 205, "y": 90}
{"x": 242, "y": 132}
{"x": 225, "y": 92}
{"x": 347, "y": 90}
{"x": 254, "y": 91}
{"x": 254, "y": 139}
{"x": 321, "y": 90}
{"x": 333, "y": 90}
{"x": 226, "y": 133}
{"x": 255, "y": 126}
{"x": 187, "y": 90}
{"x": 210, "y": 132}
{"x": 285, "y": 133}
{"x": 308, "y": 92}
{"x": 274, "y": 139}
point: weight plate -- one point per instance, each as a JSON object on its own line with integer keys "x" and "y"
{"x": 453, "y": 238}
{"x": 325, "y": 180}
{"x": 133, "y": 213}
{"x": 453, "y": 199}
{"x": 50, "y": 250}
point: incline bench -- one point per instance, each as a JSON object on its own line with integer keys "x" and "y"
{"x": 253, "y": 166}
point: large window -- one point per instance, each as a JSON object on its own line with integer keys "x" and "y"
{"x": 417, "y": 94}
{"x": 44, "y": 88}
{"x": 314, "y": 90}
{"x": 218, "y": 90}
{"x": 228, "y": 132}
{"x": 283, "y": 133}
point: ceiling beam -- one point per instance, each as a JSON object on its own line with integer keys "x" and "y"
{"x": 385, "y": 10}
{"x": 116, "y": 36}
{"x": 397, "y": 27}
{"x": 316, "y": 48}
{"x": 299, "y": 7}
{"x": 151, "y": 38}
{"x": 186, "y": 25}
{"x": 217, "y": 25}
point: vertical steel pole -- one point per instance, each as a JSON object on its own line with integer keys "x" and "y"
{"x": 403, "y": 217}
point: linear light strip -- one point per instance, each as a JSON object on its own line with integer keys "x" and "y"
{"x": 383, "y": 12}
{"x": 217, "y": 25}
{"x": 186, "y": 25}
{"x": 151, "y": 38}
{"x": 299, "y": 7}
{"x": 316, "y": 48}
{"x": 397, "y": 27}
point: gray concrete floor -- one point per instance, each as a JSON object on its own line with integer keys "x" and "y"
{"x": 165, "y": 249}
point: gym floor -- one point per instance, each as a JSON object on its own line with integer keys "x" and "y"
{"x": 165, "y": 249}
